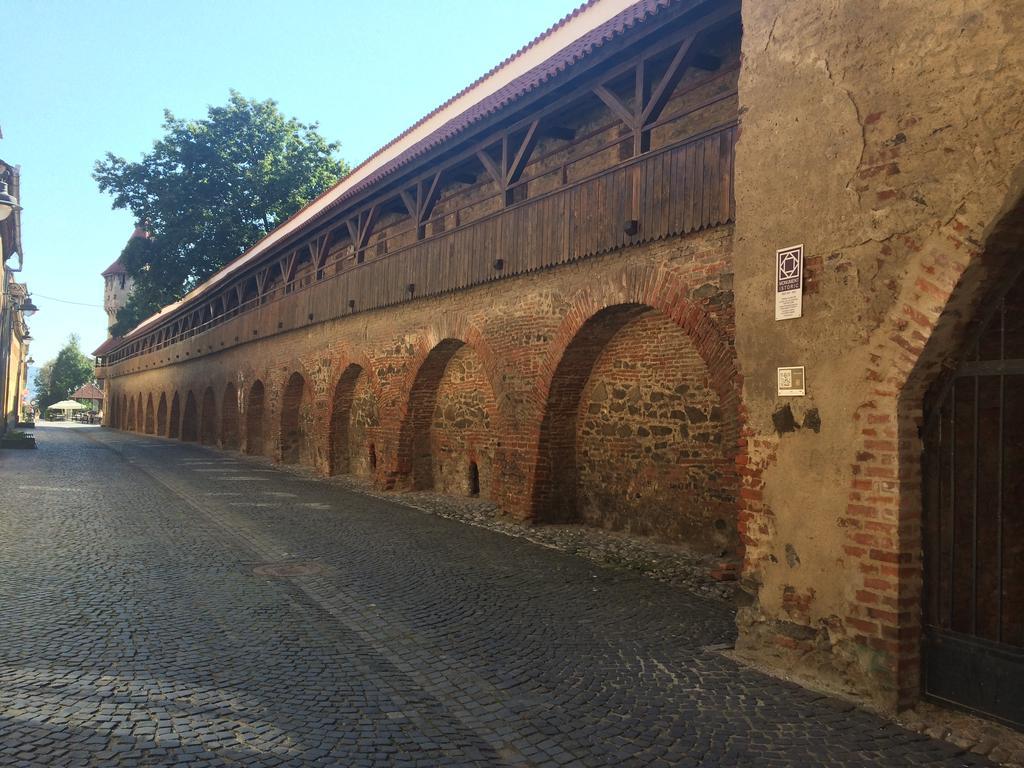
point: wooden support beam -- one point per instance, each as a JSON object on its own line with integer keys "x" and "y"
{"x": 318, "y": 251}
{"x": 261, "y": 280}
{"x": 615, "y": 105}
{"x": 429, "y": 197}
{"x": 409, "y": 201}
{"x": 287, "y": 265}
{"x": 659, "y": 98}
{"x": 352, "y": 225}
{"x": 361, "y": 227}
{"x": 514, "y": 170}
{"x": 369, "y": 221}
{"x": 420, "y": 203}
{"x": 491, "y": 167}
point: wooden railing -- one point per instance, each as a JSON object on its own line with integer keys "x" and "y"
{"x": 679, "y": 188}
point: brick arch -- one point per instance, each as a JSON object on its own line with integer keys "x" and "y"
{"x": 139, "y": 414}
{"x": 457, "y": 327}
{"x": 339, "y": 436}
{"x": 939, "y": 310}
{"x": 130, "y": 421}
{"x": 208, "y": 418}
{"x": 665, "y": 291}
{"x": 255, "y": 418}
{"x": 190, "y": 419}
{"x": 229, "y": 425}
{"x": 150, "y": 426}
{"x": 634, "y": 435}
{"x": 416, "y": 459}
{"x": 161, "y": 415}
{"x": 296, "y": 395}
{"x": 174, "y": 420}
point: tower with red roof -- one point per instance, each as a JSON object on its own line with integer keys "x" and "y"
{"x": 117, "y": 284}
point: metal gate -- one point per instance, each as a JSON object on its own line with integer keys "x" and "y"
{"x": 973, "y": 643}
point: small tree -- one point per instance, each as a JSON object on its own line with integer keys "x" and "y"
{"x": 58, "y": 378}
{"x": 208, "y": 191}
{"x": 42, "y": 385}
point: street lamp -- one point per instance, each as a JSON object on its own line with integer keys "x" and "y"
{"x": 8, "y": 202}
{"x": 28, "y": 308}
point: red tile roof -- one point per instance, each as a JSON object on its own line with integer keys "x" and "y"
{"x": 117, "y": 267}
{"x": 375, "y": 168}
{"x": 514, "y": 90}
{"x": 87, "y": 392}
{"x": 114, "y": 269}
{"x": 106, "y": 346}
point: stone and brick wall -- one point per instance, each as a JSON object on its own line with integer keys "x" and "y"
{"x": 452, "y": 393}
{"x": 886, "y": 138}
{"x": 649, "y": 446}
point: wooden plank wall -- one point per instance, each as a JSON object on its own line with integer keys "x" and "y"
{"x": 671, "y": 191}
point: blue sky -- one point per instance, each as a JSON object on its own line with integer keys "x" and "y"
{"x": 84, "y": 78}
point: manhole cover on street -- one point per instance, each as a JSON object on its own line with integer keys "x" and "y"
{"x": 287, "y": 569}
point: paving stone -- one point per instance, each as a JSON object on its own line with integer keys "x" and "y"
{"x": 136, "y": 632}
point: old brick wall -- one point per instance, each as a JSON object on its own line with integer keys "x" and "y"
{"x": 426, "y": 389}
{"x": 363, "y": 427}
{"x": 462, "y": 430}
{"x": 650, "y": 456}
{"x": 886, "y": 138}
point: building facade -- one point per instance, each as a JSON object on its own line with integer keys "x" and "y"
{"x": 14, "y": 301}
{"x": 558, "y": 291}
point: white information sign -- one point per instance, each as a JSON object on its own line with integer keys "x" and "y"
{"x": 789, "y": 282}
{"x": 792, "y": 382}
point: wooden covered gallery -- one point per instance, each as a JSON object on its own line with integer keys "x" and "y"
{"x": 556, "y": 292}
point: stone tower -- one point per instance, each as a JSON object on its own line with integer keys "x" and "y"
{"x": 117, "y": 284}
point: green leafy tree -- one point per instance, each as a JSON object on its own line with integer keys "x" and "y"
{"x": 41, "y": 385}
{"x": 209, "y": 190}
{"x": 58, "y": 378}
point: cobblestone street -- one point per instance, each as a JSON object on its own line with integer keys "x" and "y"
{"x": 166, "y": 604}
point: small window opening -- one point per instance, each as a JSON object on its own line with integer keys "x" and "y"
{"x": 474, "y": 479}
{"x": 373, "y": 457}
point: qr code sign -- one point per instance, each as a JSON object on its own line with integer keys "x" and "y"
{"x": 791, "y": 381}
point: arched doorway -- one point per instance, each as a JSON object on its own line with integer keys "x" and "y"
{"x": 161, "y": 416}
{"x": 190, "y": 419}
{"x": 447, "y": 440}
{"x": 354, "y": 421}
{"x": 150, "y": 427}
{"x": 208, "y": 418}
{"x": 295, "y": 415}
{"x": 139, "y": 414}
{"x": 973, "y": 532}
{"x": 130, "y": 426}
{"x": 635, "y": 436}
{"x": 229, "y": 418}
{"x": 174, "y": 422}
{"x": 254, "y": 419}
